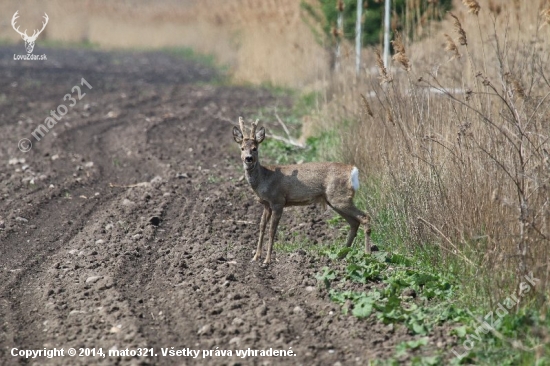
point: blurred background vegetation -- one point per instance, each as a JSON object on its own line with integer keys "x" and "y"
{"x": 406, "y": 17}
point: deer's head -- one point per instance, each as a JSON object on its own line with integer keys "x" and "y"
{"x": 29, "y": 40}
{"x": 249, "y": 143}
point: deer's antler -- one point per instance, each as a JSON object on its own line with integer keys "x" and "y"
{"x": 241, "y": 125}
{"x": 35, "y": 34}
{"x": 253, "y": 125}
{"x": 13, "y": 20}
{"x": 253, "y": 129}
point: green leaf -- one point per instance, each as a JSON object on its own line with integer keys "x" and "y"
{"x": 425, "y": 361}
{"x": 460, "y": 331}
{"x": 401, "y": 349}
{"x": 363, "y": 308}
{"x": 342, "y": 253}
{"x": 393, "y": 303}
{"x": 419, "y": 328}
{"x": 423, "y": 278}
{"x": 380, "y": 256}
{"x": 400, "y": 259}
{"x": 414, "y": 344}
{"x": 339, "y": 297}
{"x": 431, "y": 360}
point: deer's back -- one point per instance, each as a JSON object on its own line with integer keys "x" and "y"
{"x": 300, "y": 184}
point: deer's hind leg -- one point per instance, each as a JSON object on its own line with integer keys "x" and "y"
{"x": 355, "y": 217}
{"x": 353, "y": 223}
{"x": 266, "y": 216}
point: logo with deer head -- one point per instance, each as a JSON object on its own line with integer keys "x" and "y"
{"x": 29, "y": 40}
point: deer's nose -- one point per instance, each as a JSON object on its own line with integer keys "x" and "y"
{"x": 248, "y": 159}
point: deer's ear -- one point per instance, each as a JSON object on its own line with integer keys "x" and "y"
{"x": 260, "y": 135}
{"x": 237, "y": 135}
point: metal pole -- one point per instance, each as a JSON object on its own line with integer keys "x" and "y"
{"x": 387, "y": 33}
{"x": 358, "y": 36}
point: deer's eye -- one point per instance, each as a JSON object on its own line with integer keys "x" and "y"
{"x": 242, "y": 148}
{"x": 254, "y": 149}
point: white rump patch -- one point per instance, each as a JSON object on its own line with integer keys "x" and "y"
{"x": 354, "y": 178}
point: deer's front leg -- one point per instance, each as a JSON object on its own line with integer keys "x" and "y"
{"x": 275, "y": 217}
{"x": 265, "y": 218}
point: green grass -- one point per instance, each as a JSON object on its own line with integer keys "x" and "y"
{"x": 277, "y": 152}
{"x": 434, "y": 304}
{"x": 188, "y": 53}
{"x": 62, "y": 44}
{"x": 465, "y": 298}
{"x": 47, "y": 43}
{"x": 398, "y": 273}
{"x": 8, "y": 42}
{"x": 285, "y": 246}
{"x": 273, "y": 151}
{"x": 222, "y": 71}
{"x": 212, "y": 179}
{"x": 391, "y": 232}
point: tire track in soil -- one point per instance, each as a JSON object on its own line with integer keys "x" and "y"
{"x": 22, "y": 316}
{"x": 23, "y": 322}
{"x": 104, "y": 274}
{"x": 21, "y": 313}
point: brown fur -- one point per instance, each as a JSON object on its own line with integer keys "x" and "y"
{"x": 281, "y": 186}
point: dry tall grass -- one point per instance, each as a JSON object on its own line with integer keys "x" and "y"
{"x": 456, "y": 134}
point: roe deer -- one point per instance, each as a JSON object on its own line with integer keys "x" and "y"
{"x": 279, "y": 186}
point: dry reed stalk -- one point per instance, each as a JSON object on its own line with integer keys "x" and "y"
{"x": 384, "y": 76}
{"x": 494, "y": 7}
{"x": 461, "y": 33}
{"x": 451, "y": 46}
{"x": 455, "y": 250}
{"x": 473, "y": 6}
{"x": 545, "y": 16}
{"x": 389, "y": 117}
{"x": 463, "y": 40}
{"x": 366, "y": 106}
{"x": 516, "y": 85}
{"x": 400, "y": 55}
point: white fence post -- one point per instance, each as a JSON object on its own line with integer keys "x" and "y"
{"x": 387, "y": 33}
{"x": 339, "y": 33}
{"x": 358, "y": 36}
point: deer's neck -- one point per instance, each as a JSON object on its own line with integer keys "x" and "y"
{"x": 254, "y": 176}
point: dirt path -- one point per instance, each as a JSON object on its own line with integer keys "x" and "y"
{"x": 164, "y": 263}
